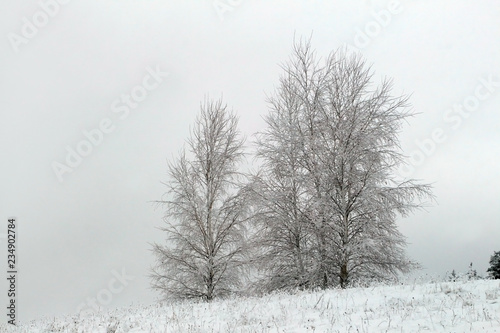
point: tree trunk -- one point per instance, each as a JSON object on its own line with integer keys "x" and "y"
{"x": 210, "y": 280}
{"x": 323, "y": 268}
{"x": 344, "y": 275}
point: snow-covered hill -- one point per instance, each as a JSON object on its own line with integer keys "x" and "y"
{"x": 436, "y": 307}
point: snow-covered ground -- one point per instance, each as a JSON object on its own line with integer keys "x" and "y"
{"x": 435, "y": 307}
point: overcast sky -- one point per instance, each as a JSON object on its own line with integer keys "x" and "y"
{"x": 65, "y": 79}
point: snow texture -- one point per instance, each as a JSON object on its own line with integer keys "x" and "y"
{"x": 434, "y": 307}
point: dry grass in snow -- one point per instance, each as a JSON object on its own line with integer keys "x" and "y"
{"x": 436, "y": 307}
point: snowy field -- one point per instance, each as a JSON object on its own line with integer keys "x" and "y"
{"x": 436, "y": 307}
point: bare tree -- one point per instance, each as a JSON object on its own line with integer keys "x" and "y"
{"x": 334, "y": 134}
{"x": 281, "y": 201}
{"x": 203, "y": 255}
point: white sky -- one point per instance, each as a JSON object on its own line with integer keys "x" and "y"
{"x": 63, "y": 79}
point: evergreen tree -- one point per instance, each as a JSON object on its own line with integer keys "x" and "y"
{"x": 494, "y": 270}
{"x": 472, "y": 273}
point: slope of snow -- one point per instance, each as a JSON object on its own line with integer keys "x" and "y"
{"x": 436, "y": 307}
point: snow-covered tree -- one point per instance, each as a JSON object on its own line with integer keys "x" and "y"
{"x": 494, "y": 269}
{"x": 281, "y": 203}
{"x": 453, "y": 277}
{"x": 329, "y": 156}
{"x": 203, "y": 254}
{"x": 472, "y": 273}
